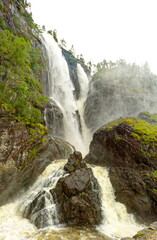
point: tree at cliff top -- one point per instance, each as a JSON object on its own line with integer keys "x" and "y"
{"x": 19, "y": 89}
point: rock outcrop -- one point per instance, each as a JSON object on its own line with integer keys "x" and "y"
{"x": 72, "y": 65}
{"x": 54, "y": 119}
{"x": 24, "y": 154}
{"x": 128, "y": 147}
{"x": 77, "y": 195}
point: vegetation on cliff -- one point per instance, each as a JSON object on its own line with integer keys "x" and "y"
{"x": 20, "y": 63}
{"x": 141, "y": 129}
{"x": 128, "y": 146}
{"x": 20, "y": 91}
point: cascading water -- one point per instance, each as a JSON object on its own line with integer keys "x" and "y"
{"x": 61, "y": 92}
{"x": 84, "y": 82}
{"x": 39, "y": 204}
{"x": 116, "y": 222}
{"x": 115, "y": 217}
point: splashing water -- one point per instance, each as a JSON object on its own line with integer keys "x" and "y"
{"x": 116, "y": 221}
{"x": 84, "y": 82}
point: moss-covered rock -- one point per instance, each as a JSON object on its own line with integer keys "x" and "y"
{"x": 25, "y": 151}
{"x": 129, "y": 147}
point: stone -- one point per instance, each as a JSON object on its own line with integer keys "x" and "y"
{"x": 132, "y": 164}
{"x": 74, "y": 162}
{"x": 77, "y": 195}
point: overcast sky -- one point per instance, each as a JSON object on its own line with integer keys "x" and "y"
{"x": 103, "y": 29}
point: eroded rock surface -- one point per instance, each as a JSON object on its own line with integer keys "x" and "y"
{"x": 77, "y": 195}
{"x": 128, "y": 147}
{"x": 24, "y": 154}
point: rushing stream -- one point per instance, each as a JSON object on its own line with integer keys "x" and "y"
{"x": 116, "y": 221}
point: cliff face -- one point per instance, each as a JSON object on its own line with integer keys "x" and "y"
{"x": 72, "y": 65}
{"x": 25, "y": 147}
{"x": 128, "y": 147}
{"x": 24, "y": 154}
{"x": 121, "y": 91}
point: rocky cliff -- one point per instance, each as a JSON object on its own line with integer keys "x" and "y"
{"x": 128, "y": 147}
{"x": 120, "y": 91}
{"x": 25, "y": 147}
{"x": 24, "y": 154}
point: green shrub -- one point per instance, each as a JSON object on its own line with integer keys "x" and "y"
{"x": 19, "y": 89}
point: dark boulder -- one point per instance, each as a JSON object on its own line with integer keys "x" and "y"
{"x": 128, "y": 147}
{"x": 74, "y": 162}
{"x": 77, "y": 195}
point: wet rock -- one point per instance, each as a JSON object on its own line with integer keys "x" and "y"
{"x": 151, "y": 118}
{"x": 54, "y": 119}
{"x": 149, "y": 233}
{"x": 128, "y": 147}
{"x": 74, "y": 162}
{"x": 24, "y": 156}
{"x": 77, "y": 195}
{"x": 76, "y": 182}
{"x": 72, "y": 65}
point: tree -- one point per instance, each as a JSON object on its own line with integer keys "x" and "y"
{"x": 18, "y": 87}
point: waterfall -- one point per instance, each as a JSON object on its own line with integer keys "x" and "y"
{"x": 38, "y": 204}
{"x": 116, "y": 221}
{"x": 84, "y": 83}
{"x": 61, "y": 91}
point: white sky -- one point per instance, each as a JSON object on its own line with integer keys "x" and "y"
{"x": 103, "y": 29}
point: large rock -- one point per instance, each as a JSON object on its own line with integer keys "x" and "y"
{"x": 24, "y": 154}
{"x": 72, "y": 65}
{"x": 54, "y": 119}
{"x": 128, "y": 147}
{"x": 77, "y": 195}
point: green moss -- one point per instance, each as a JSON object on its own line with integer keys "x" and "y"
{"x": 135, "y": 135}
{"x": 44, "y": 139}
{"x": 1, "y": 6}
{"x": 142, "y": 130}
{"x": 139, "y": 234}
{"x": 118, "y": 137}
{"x": 154, "y": 173}
{"x": 155, "y": 190}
